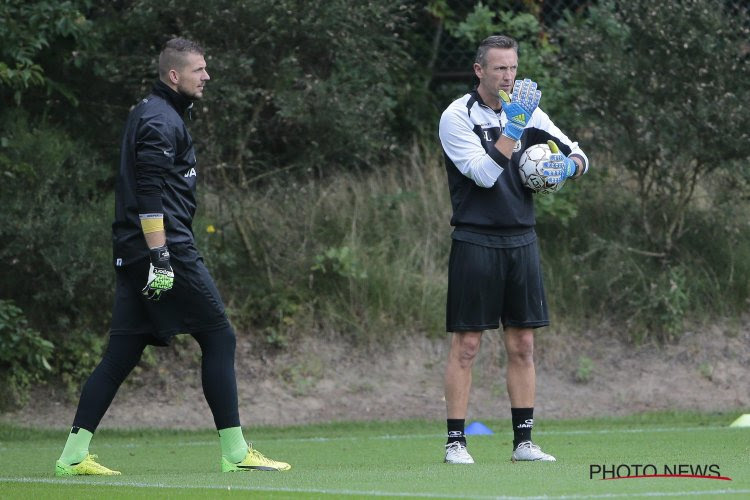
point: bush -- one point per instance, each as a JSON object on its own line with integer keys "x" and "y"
{"x": 23, "y": 356}
{"x": 663, "y": 91}
{"x": 596, "y": 269}
{"x": 295, "y": 85}
{"x": 365, "y": 255}
{"x": 27, "y": 30}
{"x": 54, "y": 228}
{"x": 657, "y": 92}
{"x": 537, "y": 52}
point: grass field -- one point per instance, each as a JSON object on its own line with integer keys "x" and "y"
{"x": 395, "y": 459}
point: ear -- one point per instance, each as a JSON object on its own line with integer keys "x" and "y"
{"x": 478, "y": 70}
{"x": 174, "y": 76}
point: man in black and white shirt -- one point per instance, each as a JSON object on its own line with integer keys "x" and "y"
{"x": 495, "y": 274}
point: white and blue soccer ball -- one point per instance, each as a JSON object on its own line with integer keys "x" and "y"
{"x": 531, "y": 170}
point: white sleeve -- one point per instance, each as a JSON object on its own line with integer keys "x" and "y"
{"x": 542, "y": 121}
{"x": 465, "y": 150}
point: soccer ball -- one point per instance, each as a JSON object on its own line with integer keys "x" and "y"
{"x": 530, "y": 167}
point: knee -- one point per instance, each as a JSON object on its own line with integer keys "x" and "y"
{"x": 219, "y": 341}
{"x": 228, "y": 339}
{"x": 465, "y": 348}
{"x": 122, "y": 355}
{"x": 520, "y": 346}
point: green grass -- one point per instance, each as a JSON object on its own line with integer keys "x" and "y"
{"x": 391, "y": 459}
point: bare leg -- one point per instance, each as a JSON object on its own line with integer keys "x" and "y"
{"x": 521, "y": 375}
{"x": 463, "y": 351}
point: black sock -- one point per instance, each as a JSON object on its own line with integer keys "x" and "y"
{"x": 456, "y": 430}
{"x": 523, "y": 422}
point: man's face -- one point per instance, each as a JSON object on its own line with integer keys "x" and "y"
{"x": 498, "y": 73}
{"x": 192, "y": 77}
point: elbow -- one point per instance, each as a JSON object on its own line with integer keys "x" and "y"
{"x": 485, "y": 178}
{"x": 485, "y": 182}
{"x": 485, "y": 173}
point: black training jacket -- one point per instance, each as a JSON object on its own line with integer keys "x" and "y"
{"x": 157, "y": 174}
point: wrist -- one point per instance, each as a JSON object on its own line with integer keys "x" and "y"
{"x": 512, "y": 131}
{"x": 571, "y": 168}
{"x": 159, "y": 257}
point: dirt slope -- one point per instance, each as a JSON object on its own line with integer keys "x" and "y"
{"x": 325, "y": 379}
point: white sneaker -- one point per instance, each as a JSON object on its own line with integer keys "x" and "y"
{"x": 456, "y": 453}
{"x": 528, "y": 451}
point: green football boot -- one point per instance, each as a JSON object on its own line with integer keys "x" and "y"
{"x": 86, "y": 467}
{"x": 254, "y": 460}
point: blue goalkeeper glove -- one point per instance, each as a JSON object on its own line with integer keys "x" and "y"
{"x": 519, "y": 107}
{"x": 559, "y": 167}
{"x": 160, "y": 274}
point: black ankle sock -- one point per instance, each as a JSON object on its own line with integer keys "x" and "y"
{"x": 456, "y": 430}
{"x": 523, "y": 422}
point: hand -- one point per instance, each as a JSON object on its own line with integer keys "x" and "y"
{"x": 519, "y": 107}
{"x": 558, "y": 167}
{"x": 160, "y": 274}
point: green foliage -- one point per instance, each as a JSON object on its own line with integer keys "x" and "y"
{"x": 664, "y": 207}
{"x": 27, "y": 29}
{"x": 559, "y": 209}
{"x": 706, "y": 370}
{"x": 358, "y": 254}
{"x": 315, "y": 216}
{"x": 54, "y": 238}
{"x": 598, "y": 268}
{"x": 494, "y": 17}
{"x": 295, "y": 85}
{"x": 584, "y": 369}
{"x": 670, "y": 84}
{"x": 76, "y": 356}
{"x": 24, "y": 355}
{"x": 339, "y": 261}
{"x": 664, "y": 299}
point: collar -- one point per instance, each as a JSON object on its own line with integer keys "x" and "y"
{"x": 478, "y": 98}
{"x": 178, "y": 101}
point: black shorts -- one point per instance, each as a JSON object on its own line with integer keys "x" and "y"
{"x": 193, "y": 305}
{"x": 489, "y": 286}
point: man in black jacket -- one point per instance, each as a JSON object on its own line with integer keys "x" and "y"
{"x": 162, "y": 285}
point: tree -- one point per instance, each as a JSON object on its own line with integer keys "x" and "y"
{"x": 662, "y": 90}
{"x": 27, "y": 29}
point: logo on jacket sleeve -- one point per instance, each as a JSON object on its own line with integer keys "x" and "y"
{"x": 191, "y": 173}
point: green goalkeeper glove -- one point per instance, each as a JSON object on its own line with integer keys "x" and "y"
{"x": 160, "y": 274}
{"x": 519, "y": 107}
{"x": 558, "y": 167}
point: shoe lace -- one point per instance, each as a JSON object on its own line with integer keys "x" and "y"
{"x": 457, "y": 447}
{"x": 90, "y": 463}
{"x": 529, "y": 445}
{"x": 259, "y": 456}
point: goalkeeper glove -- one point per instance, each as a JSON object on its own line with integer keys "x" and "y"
{"x": 160, "y": 274}
{"x": 559, "y": 167}
{"x": 519, "y": 107}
